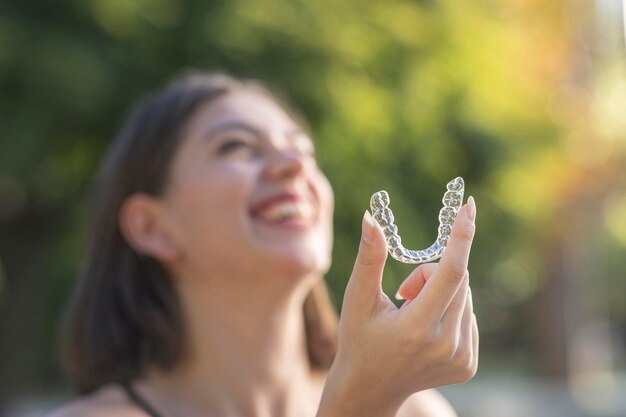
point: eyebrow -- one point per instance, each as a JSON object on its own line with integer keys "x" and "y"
{"x": 235, "y": 124}
{"x": 229, "y": 125}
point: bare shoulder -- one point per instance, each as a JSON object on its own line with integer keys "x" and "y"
{"x": 108, "y": 401}
{"x": 429, "y": 403}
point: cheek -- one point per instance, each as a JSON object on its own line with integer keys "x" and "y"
{"x": 327, "y": 206}
{"x": 319, "y": 250}
{"x": 208, "y": 206}
{"x": 326, "y": 191}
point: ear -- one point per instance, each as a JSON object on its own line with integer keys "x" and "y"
{"x": 142, "y": 224}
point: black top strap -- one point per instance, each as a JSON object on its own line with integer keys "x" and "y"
{"x": 139, "y": 400}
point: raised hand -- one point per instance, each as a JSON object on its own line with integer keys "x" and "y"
{"x": 387, "y": 353}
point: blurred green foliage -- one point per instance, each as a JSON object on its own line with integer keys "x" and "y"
{"x": 402, "y": 95}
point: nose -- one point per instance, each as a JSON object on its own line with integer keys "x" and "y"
{"x": 284, "y": 163}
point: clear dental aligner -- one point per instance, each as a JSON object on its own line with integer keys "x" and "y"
{"x": 452, "y": 201}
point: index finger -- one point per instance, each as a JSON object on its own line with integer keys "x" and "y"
{"x": 440, "y": 289}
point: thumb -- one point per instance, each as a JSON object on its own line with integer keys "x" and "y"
{"x": 364, "y": 286}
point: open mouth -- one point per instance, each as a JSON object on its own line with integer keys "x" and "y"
{"x": 285, "y": 210}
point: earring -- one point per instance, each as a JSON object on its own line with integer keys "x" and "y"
{"x": 452, "y": 200}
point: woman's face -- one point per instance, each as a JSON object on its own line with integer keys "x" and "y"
{"x": 245, "y": 194}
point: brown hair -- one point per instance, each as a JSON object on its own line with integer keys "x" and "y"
{"x": 124, "y": 313}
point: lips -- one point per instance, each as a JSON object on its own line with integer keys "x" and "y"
{"x": 284, "y": 208}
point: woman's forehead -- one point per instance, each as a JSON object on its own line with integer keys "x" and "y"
{"x": 248, "y": 107}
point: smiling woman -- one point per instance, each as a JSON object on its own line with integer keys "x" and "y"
{"x": 203, "y": 291}
{"x": 124, "y": 313}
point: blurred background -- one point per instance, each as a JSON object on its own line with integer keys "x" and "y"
{"x": 525, "y": 99}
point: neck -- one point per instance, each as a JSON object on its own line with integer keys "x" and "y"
{"x": 246, "y": 355}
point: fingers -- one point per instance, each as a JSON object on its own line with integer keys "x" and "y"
{"x": 466, "y": 354}
{"x": 459, "y": 330}
{"x": 453, "y": 319}
{"x": 364, "y": 286}
{"x": 475, "y": 343}
{"x": 471, "y": 327}
{"x": 414, "y": 283}
{"x": 441, "y": 288}
{"x": 475, "y": 334}
{"x": 466, "y": 324}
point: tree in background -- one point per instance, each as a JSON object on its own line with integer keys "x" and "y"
{"x": 402, "y": 96}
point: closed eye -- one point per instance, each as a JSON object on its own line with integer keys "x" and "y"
{"x": 232, "y": 145}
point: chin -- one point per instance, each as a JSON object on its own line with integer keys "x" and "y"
{"x": 301, "y": 262}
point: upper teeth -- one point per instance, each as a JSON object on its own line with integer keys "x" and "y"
{"x": 287, "y": 209}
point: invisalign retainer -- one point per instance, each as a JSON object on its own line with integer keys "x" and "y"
{"x": 452, "y": 201}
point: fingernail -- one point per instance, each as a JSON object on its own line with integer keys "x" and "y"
{"x": 398, "y": 296}
{"x": 367, "y": 228}
{"x": 471, "y": 212}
